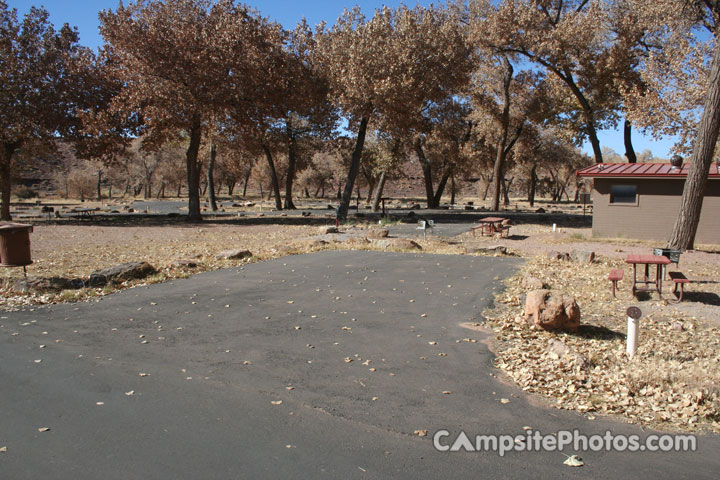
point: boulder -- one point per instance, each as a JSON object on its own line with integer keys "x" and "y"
{"x": 328, "y": 230}
{"x": 120, "y": 273}
{"x": 553, "y": 255}
{"x": 234, "y": 254}
{"x": 552, "y": 310}
{"x": 397, "y": 243}
{"x": 582, "y": 256}
{"x": 46, "y": 284}
{"x": 540, "y": 210}
{"x": 378, "y": 233}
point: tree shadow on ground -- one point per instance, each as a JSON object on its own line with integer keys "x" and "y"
{"x": 594, "y": 332}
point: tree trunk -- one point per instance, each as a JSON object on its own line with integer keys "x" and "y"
{"x": 211, "y": 177}
{"x": 247, "y": 179}
{"x": 452, "y": 190}
{"x": 193, "y": 171}
{"x": 627, "y": 136}
{"x": 440, "y": 190}
{"x": 379, "y": 192}
{"x": 99, "y": 185}
{"x": 6, "y": 181}
{"x": 533, "y": 184}
{"x": 231, "y": 188}
{"x": 371, "y": 189}
{"x": 505, "y": 125}
{"x": 427, "y": 173}
{"x": 161, "y": 191}
{"x": 273, "y": 177}
{"x": 686, "y": 225}
{"x": 307, "y": 192}
{"x": 506, "y": 191}
{"x": 292, "y": 162}
{"x": 354, "y": 168}
{"x": 588, "y": 112}
{"x": 486, "y": 190}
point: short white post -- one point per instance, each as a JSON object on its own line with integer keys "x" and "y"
{"x": 554, "y": 226}
{"x": 633, "y": 318}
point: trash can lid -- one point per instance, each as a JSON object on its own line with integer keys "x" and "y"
{"x": 10, "y": 227}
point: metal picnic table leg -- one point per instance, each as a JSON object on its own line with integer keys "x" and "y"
{"x": 659, "y": 279}
{"x": 634, "y": 278}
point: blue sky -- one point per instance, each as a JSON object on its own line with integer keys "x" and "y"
{"x": 83, "y": 14}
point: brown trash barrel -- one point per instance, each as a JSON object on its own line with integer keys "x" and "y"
{"x": 15, "y": 244}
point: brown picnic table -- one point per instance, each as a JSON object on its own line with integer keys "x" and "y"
{"x": 647, "y": 284}
{"x": 490, "y": 226}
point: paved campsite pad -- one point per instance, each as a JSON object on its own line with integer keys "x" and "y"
{"x": 223, "y": 348}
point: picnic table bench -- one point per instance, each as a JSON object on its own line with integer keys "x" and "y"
{"x": 615, "y": 276}
{"x": 83, "y": 212}
{"x": 680, "y": 279}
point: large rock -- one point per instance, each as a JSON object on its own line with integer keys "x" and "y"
{"x": 552, "y": 310}
{"x": 49, "y": 284}
{"x": 328, "y": 230}
{"x": 378, "y": 233}
{"x": 237, "y": 254}
{"x": 582, "y": 256}
{"x": 397, "y": 243}
{"x": 120, "y": 273}
{"x": 553, "y": 255}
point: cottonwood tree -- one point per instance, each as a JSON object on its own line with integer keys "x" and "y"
{"x": 504, "y": 104}
{"x": 184, "y": 62}
{"x": 308, "y": 117}
{"x": 392, "y": 65}
{"x": 674, "y": 65}
{"x": 573, "y": 41}
{"x": 38, "y": 97}
{"x": 681, "y": 73}
{"x": 439, "y": 143}
{"x": 707, "y": 14}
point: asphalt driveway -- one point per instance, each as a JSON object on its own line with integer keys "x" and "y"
{"x": 310, "y": 366}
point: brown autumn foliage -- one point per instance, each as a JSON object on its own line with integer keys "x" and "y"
{"x": 213, "y": 62}
{"x": 38, "y": 87}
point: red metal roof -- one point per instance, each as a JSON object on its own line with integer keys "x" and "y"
{"x": 641, "y": 170}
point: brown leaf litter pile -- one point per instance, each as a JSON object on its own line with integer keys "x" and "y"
{"x": 671, "y": 383}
